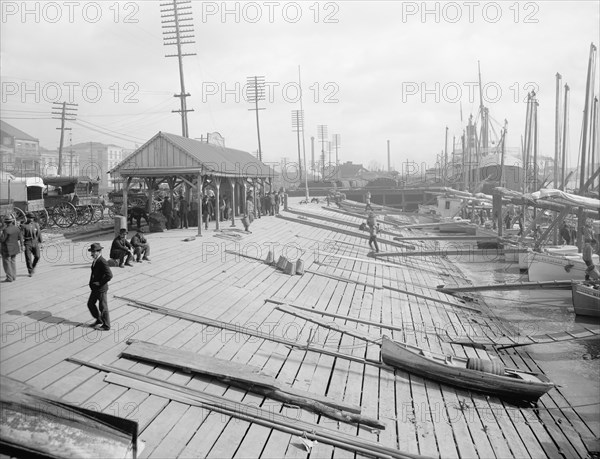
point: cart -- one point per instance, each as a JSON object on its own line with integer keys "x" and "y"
{"x": 73, "y": 201}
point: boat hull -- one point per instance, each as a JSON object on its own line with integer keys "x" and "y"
{"x": 401, "y": 356}
{"x": 547, "y": 267}
{"x": 586, "y": 300}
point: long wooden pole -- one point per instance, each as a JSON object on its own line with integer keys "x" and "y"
{"x": 248, "y": 413}
{"x": 584, "y": 140}
{"x": 565, "y": 125}
{"x": 557, "y": 132}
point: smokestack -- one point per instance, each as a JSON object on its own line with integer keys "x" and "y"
{"x": 312, "y": 152}
{"x": 389, "y": 160}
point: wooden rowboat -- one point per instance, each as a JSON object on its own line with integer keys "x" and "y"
{"x": 455, "y": 371}
{"x": 586, "y": 299}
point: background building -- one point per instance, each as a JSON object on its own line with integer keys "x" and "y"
{"x": 19, "y": 152}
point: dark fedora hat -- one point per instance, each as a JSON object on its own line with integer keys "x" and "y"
{"x": 30, "y": 215}
{"x": 95, "y": 247}
{"x": 123, "y": 230}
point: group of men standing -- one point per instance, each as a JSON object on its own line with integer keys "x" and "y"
{"x": 171, "y": 210}
{"x": 13, "y": 240}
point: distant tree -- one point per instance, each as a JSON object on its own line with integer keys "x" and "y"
{"x": 375, "y": 166}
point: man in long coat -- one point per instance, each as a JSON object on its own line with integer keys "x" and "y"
{"x": 32, "y": 238}
{"x": 11, "y": 241}
{"x": 101, "y": 275}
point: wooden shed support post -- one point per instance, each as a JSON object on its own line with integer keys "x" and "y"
{"x": 232, "y": 181}
{"x": 149, "y": 193}
{"x": 199, "y": 188}
{"x": 244, "y": 203}
{"x": 254, "y": 196}
{"x": 217, "y": 181}
{"x": 126, "y": 185}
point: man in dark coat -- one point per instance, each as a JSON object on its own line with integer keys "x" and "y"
{"x": 141, "y": 248}
{"x": 11, "y": 241}
{"x": 565, "y": 233}
{"x": 121, "y": 248}
{"x": 184, "y": 209}
{"x": 167, "y": 210}
{"x": 101, "y": 275}
{"x": 32, "y": 238}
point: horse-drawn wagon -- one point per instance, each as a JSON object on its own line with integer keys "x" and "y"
{"x": 73, "y": 200}
{"x": 21, "y": 196}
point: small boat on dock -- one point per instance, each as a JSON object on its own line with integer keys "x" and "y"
{"x": 586, "y": 299}
{"x": 488, "y": 376}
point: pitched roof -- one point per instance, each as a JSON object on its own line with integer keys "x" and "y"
{"x": 14, "y": 132}
{"x": 210, "y": 158}
{"x": 349, "y": 170}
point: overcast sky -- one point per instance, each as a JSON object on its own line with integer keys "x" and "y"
{"x": 371, "y": 71}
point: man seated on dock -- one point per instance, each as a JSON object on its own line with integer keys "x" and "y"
{"x": 589, "y": 249}
{"x": 141, "y": 248}
{"x": 121, "y": 248}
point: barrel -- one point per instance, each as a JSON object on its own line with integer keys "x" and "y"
{"x": 282, "y": 262}
{"x": 495, "y": 367}
{"x": 299, "y": 266}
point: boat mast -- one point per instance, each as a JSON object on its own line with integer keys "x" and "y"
{"x": 557, "y": 130}
{"x": 564, "y": 141}
{"x": 484, "y": 115}
{"x": 556, "y": 147}
{"x": 503, "y": 140}
{"x": 589, "y": 90}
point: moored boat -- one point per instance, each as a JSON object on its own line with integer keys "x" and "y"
{"x": 488, "y": 376}
{"x": 547, "y": 266}
{"x": 586, "y": 299}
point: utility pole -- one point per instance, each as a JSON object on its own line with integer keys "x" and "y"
{"x": 312, "y": 155}
{"x": 322, "y": 132}
{"x": 255, "y": 93}
{"x": 66, "y": 113}
{"x": 178, "y": 32}
{"x": 297, "y": 125}
{"x": 337, "y": 140}
{"x": 71, "y": 153}
{"x": 307, "y": 197}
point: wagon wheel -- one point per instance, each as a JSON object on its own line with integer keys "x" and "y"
{"x": 113, "y": 210}
{"x": 138, "y": 202}
{"x": 19, "y": 216}
{"x": 64, "y": 214}
{"x": 42, "y": 218}
{"x": 97, "y": 212}
{"x": 85, "y": 214}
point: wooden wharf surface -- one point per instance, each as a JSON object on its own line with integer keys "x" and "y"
{"x": 44, "y": 322}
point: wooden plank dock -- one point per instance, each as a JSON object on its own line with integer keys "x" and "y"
{"x": 47, "y": 342}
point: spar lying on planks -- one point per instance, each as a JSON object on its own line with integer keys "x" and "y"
{"x": 249, "y": 378}
{"x": 488, "y": 376}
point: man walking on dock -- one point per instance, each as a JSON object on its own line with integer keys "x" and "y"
{"x": 101, "y": 275}
{"x": 32, "y": 238}
{"x": 11, "y": 241}
{"x": 372, "y": 224}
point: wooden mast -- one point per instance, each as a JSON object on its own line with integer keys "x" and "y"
{"x": 564, "y": 141}
{"x": 584, "y": 140}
